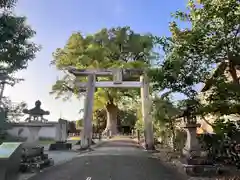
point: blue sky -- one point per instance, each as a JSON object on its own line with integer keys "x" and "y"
{"x": 54, "y": 22}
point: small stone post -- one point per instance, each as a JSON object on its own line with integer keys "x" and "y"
{"x": 146, "y": 113}
{"x": 86, "y": 135}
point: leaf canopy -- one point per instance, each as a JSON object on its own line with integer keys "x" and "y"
{"x": 108, "y": 48}
{"x": 211, "y": 37}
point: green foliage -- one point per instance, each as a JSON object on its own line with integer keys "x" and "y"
{"x": 16, "y": 51}
{"x": 139, "y": 126}
{"x": 79, "y": 123}
{"x": 14, "y": 110}
{"x": 127, "y": 117}
{"x": 139, "y": 123}
{"x": 165, "y": 121}
{"x": 9, "y": 112}
{"x": 16, "y": 48}
{"x": 100, "y": 118}
{"x": 190, "y": 53}
{"x": 8, "y": 4}
{"x": 222, "y": 146}
{"x": 225, "y": 98}
{"x": 108, "y": 48}
{"x": 164, "y": 110}
{"x": 226, "y": 127}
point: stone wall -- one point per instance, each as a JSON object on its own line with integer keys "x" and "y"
{"x": 49, "y": 131}
{"x": 23, "y": 132}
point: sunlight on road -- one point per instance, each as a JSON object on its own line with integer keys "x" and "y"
{"x": 120, "y": 137}
{"x": 88, "y": 178}
{"x": 74, "y": 138}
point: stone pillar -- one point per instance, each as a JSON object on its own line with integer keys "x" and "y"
{"x": 33, "y": 136}
{"x": 86, "y": 134}
{"x": 62, "y": 130}
{"x": 146, "y": 113}
{"x": 57, "y": 132}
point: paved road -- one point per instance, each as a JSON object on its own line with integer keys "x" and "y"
{"x": 113, "y": 160}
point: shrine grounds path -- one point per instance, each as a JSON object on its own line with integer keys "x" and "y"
{"x": 121, "y": 159}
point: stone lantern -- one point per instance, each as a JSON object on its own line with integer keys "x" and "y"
{"x": 192, "y": 147}
{"x": 195, "y": 161}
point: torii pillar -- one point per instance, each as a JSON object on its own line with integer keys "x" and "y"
{"x": 146, "y": 113}
{"x": 86, "y": 134}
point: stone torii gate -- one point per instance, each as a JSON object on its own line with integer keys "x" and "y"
{"x": 91, "y": 84}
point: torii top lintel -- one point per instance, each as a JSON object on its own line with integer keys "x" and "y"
{"x": 105, "y": 72}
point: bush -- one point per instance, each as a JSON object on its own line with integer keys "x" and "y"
{"x": 221, "y": 146}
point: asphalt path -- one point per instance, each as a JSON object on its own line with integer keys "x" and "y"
{"x": 113, "y": 160}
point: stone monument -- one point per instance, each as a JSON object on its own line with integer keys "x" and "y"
{"x": 62, "y": 143}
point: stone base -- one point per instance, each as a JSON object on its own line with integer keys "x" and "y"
{"x": 202, "y": 170}
{"x": 32, "y": 151}
{"x": 35, "y": 166}
{"x": 200, "y": 166}
{"x": 191, "y": 153}
{"x": 199, "y": 161}
{"x": 60, "y": 146}
{"x": 34, "y": 159}
{"x": 149, "y": 147}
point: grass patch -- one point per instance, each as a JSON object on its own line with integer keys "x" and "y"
{"x": 75, "y": 138}
{"x": 46, "y": 142}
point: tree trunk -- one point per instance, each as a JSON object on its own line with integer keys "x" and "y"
{"x": 233, "y": 61}
{"x": 111, "y": 127}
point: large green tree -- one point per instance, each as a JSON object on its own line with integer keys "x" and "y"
{"x": 211, "y": 38}
{"x": 108, "y": 48}
{"x": 16, "y": 50}
{"x": 15, "y": 45}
